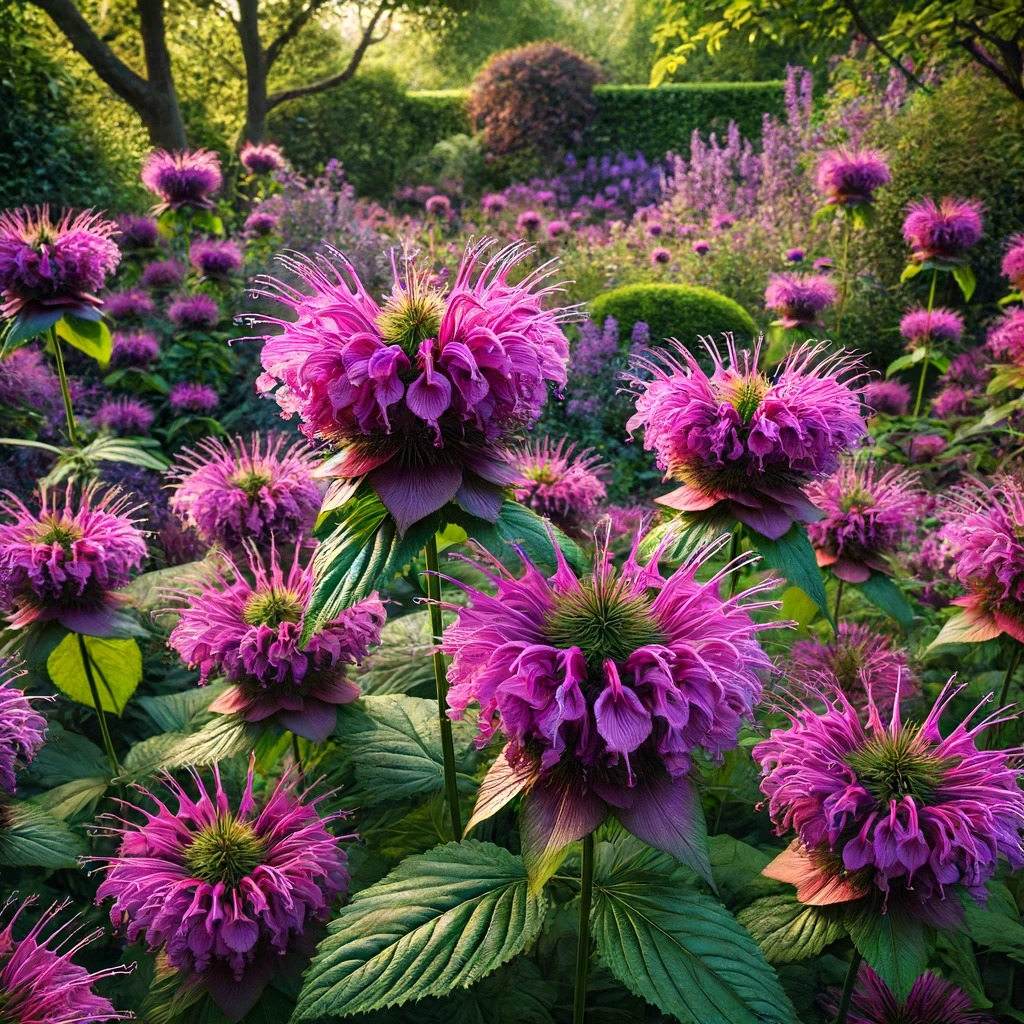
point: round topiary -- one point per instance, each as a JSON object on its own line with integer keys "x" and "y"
{"x": 537, "y": 98}
{"x": 684, "y": 312}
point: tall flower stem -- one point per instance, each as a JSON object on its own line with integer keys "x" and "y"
{"x": 441, "y": 683}
{"x": 108, "y": 744}
{"x": 297, "y": 757}
{"x": 851, "y": 979}
{"x": 1011, "y": 669}
{"x": 579, "y": 999}
{"x": 844, "y": 276}
{"x": 926, "y": 362}
{"x": 734, "y": 553}
{"x": 65, "y": 391}
{"x": 839, "y": 602}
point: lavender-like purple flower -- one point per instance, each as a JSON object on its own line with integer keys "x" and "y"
{"x": 54, "y": 266}
{"x": 438, "y": 206}
{"x": 129, "y": 305}
{"x": 192, "y": 398}
{"x": 795, "y": 255}
{"x": 26, "y": 381}
{"x": 65, "y": 561}
{"x": 194, "y": 312}
{"x": 188, "y": 178}
{"x": 125, "y": 417}
{"x": 261, "y": 157}
{"x": 892, "y": 814}
{"x": 528, "y": 221}
{"x": 943, "y": 231}
{"x": 659, "y": 255}
{"x": 235, "y": 493}
{"x": 22, "y": 728}
{"x": 742, "y": 443}
{"x": 163, "y": 274}
{"x": 557, "y": 228}
{"x": 953, "y": 402}
{"x": 722, "y": 221}
{"x": 225, "y": 891}
{"x": 799, "y": 298}
{"x": 940, "y": 325}
{"x": 1013, "y": 261}
{"x": 261, "y": 222}
{"x": 1006, "y": 337}
{"x": 493, "y": 203}
{"x": 137, "y": 232}
{"x": 887, "y": 397}
{"x": 135, "y": 349}
{"x": 701, "y": 247}
{"x": 216, "y": 259}
{"x": 605, "y": 687}
{"x": 39, "y": 982}
{"x": 849, "y": 177}
{"x": 868, "y": 516}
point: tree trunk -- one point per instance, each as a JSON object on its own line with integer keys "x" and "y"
{"x": 248, "y": 26}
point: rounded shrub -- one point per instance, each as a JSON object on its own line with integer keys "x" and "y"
{"x": 684, "y": 312}
{"x": 538, "y": 98}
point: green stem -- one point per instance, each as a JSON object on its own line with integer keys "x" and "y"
{"x": 839, "y": 601}
{"x": 65, "y": 391}
{"x": 851, "y": 978}
{"x": 579, "y": 999}
{"x": 844, "y": 278}
{"x": 734, "y": 551}
{"x": 926, "y": 362}
{"x": 108, "y": 744}
{"x": 1004, "y": 693}
{"x": 441, "y": 682}
{"x": 297, "y": 757}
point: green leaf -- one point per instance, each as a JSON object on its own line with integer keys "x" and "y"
{"x": 788, "y": 930}
{"x": 797, "y": 607}
{"x": 23, "y": 328}
{"x": 65, "y": 757}
{"x": 89, "y": 336}
{"x": 997, "y": 925}
{"x": 906, "y": 361}
{"x": 32, "y": 838}
{"x": 440, "y": 921}
{"x": 116, "y": 667}
{"x": 964, "y": 277}
{"x": 687, "y": 532}
{"x": 793, "y": 557}
{"x": 684, "y": 952}
{"x": 894, "y": 944}
{"x": 909, "y": 271}
{"x": 175, "y": 712}
{"x": 735, "y": 865}
{"x": 401, "y": 663}
{"x": 991, "y": 418}
{"x": 72, "y": 798}
{"x": 223, "y": 737}
{"x": 882, "y": 592}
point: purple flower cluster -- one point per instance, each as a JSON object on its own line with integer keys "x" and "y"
{"x": 850, "y": 176}
{"x": 1006, "y": 337}
{"x": 188, "y": 178}
{"x": 799, "y": 298}
{"x": 939, "y": 325}
{"x": 942, "y": 231}
{"x": 129, "y": 305}
{"x": 22, "y": 728}
{"x": 26, "y": 381}
{"x": 1013, "y": 261}
{"x": 260, "y": 223}
{"x": 887, "y": 397}
{"x": 438, "y": 206}
{"x": 163, "y": 274}
{"x": 261, "y": 157}
{"x": 187, "y": 397}
{"x": 560, "y": 483}
{"x": 137, "y": 232}
{"x": 216, "y": 259}
{"x": 932, "y": 1000}
{"x": 135, "y": 349}
{"x": 124, "y": 417}
{"x": 194, "y": 312}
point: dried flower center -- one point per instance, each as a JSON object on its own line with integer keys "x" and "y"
{"x": 745, "y": 394}
{"x": 272, "y": 607}
{"x": 411, "y": 316}
{"x": 603, "y": 620}
{"x": 251, "y": 481}
{"x": 226, "y": 851}
{"x": 894, "y": 767}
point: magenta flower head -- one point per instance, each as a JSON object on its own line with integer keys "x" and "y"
{"x": 425, "y": 392}
{"x": 606, "y": 688}
{"x": 722, "y": 222}
{"x": 129, "y": 305}
{"x": 250, "y": 632}
{"x": 848, "y": 177}
{"x": 701, "y": 247}
{"x": 556, "y": 228}
{"x": 528, "y": 221}
{"x": 137, "y": 232}
{"x": 237, "y": 492}
{"x": 932, "y": 1000}
{"x": 891, "y": 815}
{"x": 40, "y": 982}
{"x": 824, "y": 264}
{"x": 261, "y": 157}
{"x": 260, "y": 222}
{"x": 1006, "y": 337}
{"x": 925, "y": 447}
{"x": 799, "y": 298}
{"x": 660, "y": 255}
{"x": 887, "y": 397}
{"x": 939, "y": 325}
{"x": 134, "y": 349}
{"x": 54, "y": 267}
{"x": 944, "y": 231}
{"x": 953, "y": 402}
{"x": 1013, "y": 261}
{"x": 64, "y": 561}
{"x": 22, "y": 728}
{"x": 195, "y": 398}
{"x": 438, "y": 206}
{"x": 493, "y": 203}
{"x": 856, "y": 662}
{"x": 164, "y": 274}
{"x": 194, "y": 312}
{"x": 225, "y": 890}
{"x": 125, "y": 417}
{"x": 795, "y": 255}
{"x": 869, "y": 515}
{"x": 188, "y": 178}
{"x": 558, "y": 482}
{"x": 985, "y": 532}
{"x": 742, "y": 443}
{"x": 216, "y": 259}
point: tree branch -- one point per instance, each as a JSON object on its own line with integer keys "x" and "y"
{"x": 291, "y": 30}
{"x": 865, "y": 30}
{"x": 1011, "y": 72}
{"x": 367, "y": 40}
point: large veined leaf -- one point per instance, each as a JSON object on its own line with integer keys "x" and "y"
{"x": 793, "y": 557}
{"x": 91, "y": 336}
{"x": 894, "y": 945}
{"x": 31, "y": 837}
{"x": 72, "y": 798}
{"x": 115, "y": 665}
{"x": 222, "y": 737}
{"x": 401, "y": 663}
{"x": 997, "y": 924}
{"x": 440, "y": 921}
{"x": 883, "y": 593}
{"x": 684, "y": 952}
{"x": 788, "y": 930}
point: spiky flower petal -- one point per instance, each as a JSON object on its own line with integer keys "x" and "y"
{"x": 22, "y": 728}
{"x": 190, "y": 397}
{"x": 261, "y": 157}
{"x": 942, "y": 231}
{"x": 799, "y": 298}
{"x": 188, "y": 178}
{"x": 849, "y": 176}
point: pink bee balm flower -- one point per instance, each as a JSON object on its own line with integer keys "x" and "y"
{"x": 261, "y": 157}
{"x": 869, "y": 515}
{"x": 701, "y": 247}
{"x": 126, "y": 417}
{"x": 556, "y": 228}
{"x": 261, "y": 222}
{"x": 194, "y": 398}
{"x": 943, "y": 231}
{"x": 250, "y": 633}
{"x": 54, "y": 267}
{"x": 137, "y": 232}
{"x": 799, "y": 298}
{"x": 216, "y": 259}
{"x": 932, "y": 1000}
{"x": 528, "y": 221}
{"x": 40, "y": 982}
{"x": 438, "y": 206}
{"x": 22, "y": 728}
{"x": 225, "y": 891}
{"x": 424, "y": 393}
{"x": 194, "y": 312}
{"x": 887, "y": 397}
{"x": 926, "y": 447}
{"x": 235, "y": 493}
{"x": 605, "y": 687}
{"x": 660, "y": 255}
{"x": 64, "y": 561}
{"x": 941, "y": 325}
{"x": 742, "y": 443}
{"x": 795, "y": 255}
{"x": 856, "y": 662}
{"x": 558, "y": 482}
{"x": 188, "y": 178}
{"x": 1013, "y": 261}
{"x": 891, "y": 814}
{"x": 164, "y": 274}
{"x": 849, "y": 176}
{"x": 135, "y": 350}
{"x": 1006, "y": 338}
{"x": 493, "y": 203}
{"x": 953, "y": 402}
{"x": 131, "y": 304}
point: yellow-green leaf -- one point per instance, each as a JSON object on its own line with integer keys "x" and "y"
{"x": 116, "y": 667}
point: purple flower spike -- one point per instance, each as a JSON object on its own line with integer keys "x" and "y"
{"x": 261, "y": 158}
{"x": 138, "y": 232}
{"x": 851, "y": 176}
{"x": 161, "y": 275}
{"x": 742, "y": 443}
{"x": 225, "y": 891}
{"x": 137, "y": 350}
{"x": 189, "y": 178}
{"x": 528, "y": 221}
{"x": 799, "y": 298}
{"x": 660, "y": 255}
{"x": 261, "y": 222}
{"x": 942, "y": 231}
{"x": 22, "y": 728}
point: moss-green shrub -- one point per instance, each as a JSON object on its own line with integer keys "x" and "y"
{"x": 684, "y": 312}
